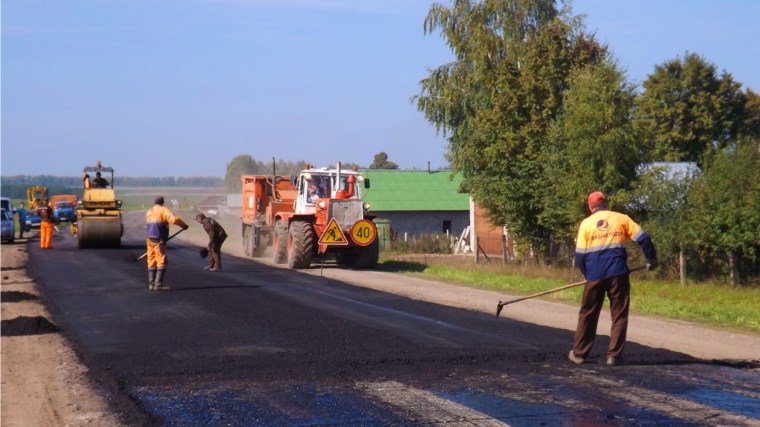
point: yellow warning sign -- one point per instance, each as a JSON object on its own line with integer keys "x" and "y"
{"x": 363, "y": 232}
{"x": 333, "y": 235}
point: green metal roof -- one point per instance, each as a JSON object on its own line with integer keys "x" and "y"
{"x": 394, "y": 190}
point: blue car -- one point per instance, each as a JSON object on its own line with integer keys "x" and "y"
{"x": 32, "y": 219}
{"x": 7, "y": 225}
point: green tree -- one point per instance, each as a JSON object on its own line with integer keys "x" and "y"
{"x": 752, "y": 114}
{"x": 243, "y": 164}
{"x": 724, "y": 218}
{"x": 287, "y": 167}
{"x": 594, "y": 145}
{"x": 496, "y": 102}
{"x": 690, "y": 108}
{"x": 660, "y": 199}
{"x": 381, "y": 162}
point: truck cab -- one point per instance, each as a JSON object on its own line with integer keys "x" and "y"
{"x": 64, "y": 212}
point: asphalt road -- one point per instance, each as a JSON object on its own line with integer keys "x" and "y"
{"x": 259, "y": 345}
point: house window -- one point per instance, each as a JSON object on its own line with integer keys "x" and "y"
{"x": 447, "y": 226}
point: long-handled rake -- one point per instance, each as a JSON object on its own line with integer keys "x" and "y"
{"x": 133, "y": 258}
{"x": 501, "y": 304}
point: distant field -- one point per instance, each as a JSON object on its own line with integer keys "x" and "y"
{"x": 142, "y": 197}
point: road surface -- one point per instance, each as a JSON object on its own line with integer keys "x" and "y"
{"x": 261, "y": 345}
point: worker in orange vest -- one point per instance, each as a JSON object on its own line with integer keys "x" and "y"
{"x": 46, "y": 225}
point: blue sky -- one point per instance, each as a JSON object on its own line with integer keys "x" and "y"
{"x": 179, "y": 87}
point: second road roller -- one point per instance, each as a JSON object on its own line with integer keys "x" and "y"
{"x": 98, "y": 212}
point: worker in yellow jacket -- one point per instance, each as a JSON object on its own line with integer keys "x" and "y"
{"x": 600, "y": 254}
{"x": 158, "y": 219}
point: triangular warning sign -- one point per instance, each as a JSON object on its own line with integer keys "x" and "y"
{"x": 333, "y": 235}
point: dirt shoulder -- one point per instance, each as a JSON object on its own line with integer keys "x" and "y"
{"x": 43, "y": 383}
{"x": 685, "y": 337}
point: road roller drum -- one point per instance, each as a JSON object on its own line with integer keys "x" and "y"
{"x": 96, "y": 232}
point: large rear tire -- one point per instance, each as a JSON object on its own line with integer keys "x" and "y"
{"x": 368, "y": 255}
{"x": 280, "y": 243}
{"x": 247, "y": 240}
{"x": 300, "y": 244}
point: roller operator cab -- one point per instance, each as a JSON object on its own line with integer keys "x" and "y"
{"x": 98, "y": 213}
{"x": 318, "y": 212}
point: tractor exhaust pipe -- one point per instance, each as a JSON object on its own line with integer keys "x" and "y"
{"x": 337, "y": 178}
{"x": 501, "y": 304}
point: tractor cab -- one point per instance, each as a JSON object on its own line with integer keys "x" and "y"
{"x": 319, "y": 186}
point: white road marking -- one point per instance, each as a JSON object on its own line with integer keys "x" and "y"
{"x": 669, "y": 405}
{"x": 429, "y": 407}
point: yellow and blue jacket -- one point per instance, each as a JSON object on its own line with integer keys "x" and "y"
{"x": 158, "y": 219}
{"x": 600, "y": 249}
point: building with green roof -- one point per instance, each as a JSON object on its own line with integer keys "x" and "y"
{"x": 418, "y": 202}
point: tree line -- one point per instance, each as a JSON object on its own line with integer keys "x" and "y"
{"x": 537, "y": 114}
{"x": 245, "y": 164}
{"x": 18, "y": 191}
{"x": 120, "y": 181}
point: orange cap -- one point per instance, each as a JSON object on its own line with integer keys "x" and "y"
{"x": 597, "y": 198}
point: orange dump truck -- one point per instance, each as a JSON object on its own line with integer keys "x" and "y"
{"x": 317, "y": 212}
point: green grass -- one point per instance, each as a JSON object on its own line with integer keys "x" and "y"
{"x": 708, "y": 304}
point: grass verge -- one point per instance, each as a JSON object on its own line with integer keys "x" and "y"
{"x": 736, "y": 308}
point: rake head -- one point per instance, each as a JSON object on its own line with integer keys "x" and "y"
{"x": 499, "y": 307}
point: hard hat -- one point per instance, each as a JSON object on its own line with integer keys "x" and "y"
{"x": 597, "y": 198}
{"x": 159, "y": 200}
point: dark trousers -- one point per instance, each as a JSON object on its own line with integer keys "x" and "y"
{"x": 215, "y": 254}
{"x": 22, "y": 226}
{"x": 618, "y": 289}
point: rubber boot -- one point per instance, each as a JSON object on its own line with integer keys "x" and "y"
{"x": 151, "y": 278}
{"x": 158, "y": 285}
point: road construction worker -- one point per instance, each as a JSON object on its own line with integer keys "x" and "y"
{"x": 601, "y": 256}
{"x": 21, "y": 211}
{"x": 86, "y": 181}
{"x": 46, "y": 225}
{"x": 99, "y": 182}
{"x": 216, "y": 236}
{"x": 158, "y": 219}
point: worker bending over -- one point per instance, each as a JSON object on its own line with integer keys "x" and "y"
{"x": 601, "y": 256}
{"x": 158, "y": 219}
{"x": 46, "y": 225}
{"x": 216, "y": 236}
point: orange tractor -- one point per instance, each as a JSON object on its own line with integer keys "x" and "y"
{"x": 316, "y": 213}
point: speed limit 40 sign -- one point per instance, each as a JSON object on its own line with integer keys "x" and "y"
{"x": 363, "y": 232}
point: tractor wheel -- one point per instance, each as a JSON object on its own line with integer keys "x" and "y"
{"x": 345, "y": 257}
{"x": 247, "y": 240}
{"x": 280, "y": 243}
{"x": 258, "y": 251}
{"x": 300, "y": 244}
{"x": 368, "y": 255}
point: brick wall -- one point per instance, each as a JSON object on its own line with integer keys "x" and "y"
{"x": 426, "y": 222}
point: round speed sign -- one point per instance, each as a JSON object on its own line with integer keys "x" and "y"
{"x": 363, "y": 232}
